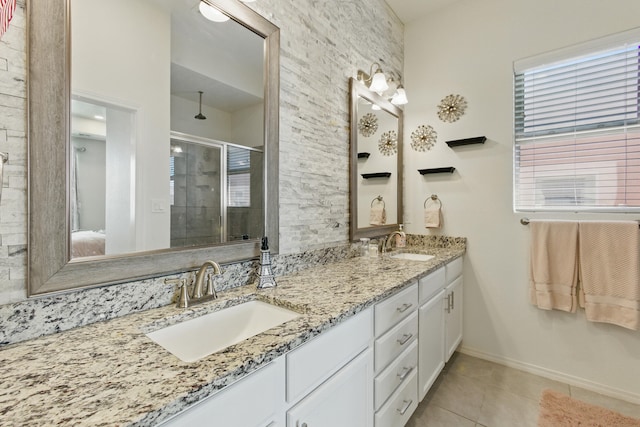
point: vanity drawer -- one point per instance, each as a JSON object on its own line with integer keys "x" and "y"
{"x": 395, "y": 308}
{"x": 395, "y": 374}
{"x": 431, "y": 284}
{"x": 394, "y": 342}
{"x": 454, "y": 269}
{"x": 315, "y": 361}
{"x": 397, "y": 411}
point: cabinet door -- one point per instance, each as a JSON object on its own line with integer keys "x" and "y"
{"x": 453, "y": 317}
{"x": 431, "y": 342}
{"x": 345, "y": 400}
{"x": 264, "y": 389}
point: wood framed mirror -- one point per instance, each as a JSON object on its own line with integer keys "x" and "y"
{"x": 52, "y": 266}
{"x": 375, "y": 164}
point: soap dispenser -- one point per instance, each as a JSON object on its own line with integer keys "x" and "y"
{"x": 401, "y": 238}
{"x": 265, "y": 279}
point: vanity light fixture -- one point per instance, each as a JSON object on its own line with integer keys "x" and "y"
{"x": 379, "y": 83}
{"x": 211, "y": 13}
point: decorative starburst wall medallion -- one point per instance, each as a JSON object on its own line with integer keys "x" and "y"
{"x": 368, "y": 124}
{"x": 423, "y": 138}
{"x": 388, "y": 144}
{"x": 451, "y": 108}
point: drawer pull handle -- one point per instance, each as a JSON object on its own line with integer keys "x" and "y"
{"x": 405, "y": 407}
{"x": 453, "y": 300}
{"x": 404, "y": 307}
{"x": 403, "y": 374}
{"x": 404, "y": 339}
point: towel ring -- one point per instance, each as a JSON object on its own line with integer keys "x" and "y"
{"x": 379, "y": 199}
{"x": 434, "y": 198}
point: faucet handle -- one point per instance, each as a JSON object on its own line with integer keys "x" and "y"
{"x": 183, "y": 300}
{"x": 211, "y": 290}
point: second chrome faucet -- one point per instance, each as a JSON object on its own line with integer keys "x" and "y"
{"x": 200, "y": 292}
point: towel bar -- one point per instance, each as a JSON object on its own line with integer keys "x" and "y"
{"x": 433, "y": 197}
{"x": 379, "y": 199}
{"x": 525, "y": 221}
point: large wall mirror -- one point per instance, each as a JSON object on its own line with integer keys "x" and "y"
{"x": 153, "y": 138}
{"x": 375, "y": 165}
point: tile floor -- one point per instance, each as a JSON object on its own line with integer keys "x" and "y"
{"x": 472, "y": 392}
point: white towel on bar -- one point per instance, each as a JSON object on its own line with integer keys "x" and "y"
{"x": 610, "y": 272}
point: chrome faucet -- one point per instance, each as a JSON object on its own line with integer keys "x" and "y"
{"x": 199, "y": 293}
{"x": 385, "y": 242}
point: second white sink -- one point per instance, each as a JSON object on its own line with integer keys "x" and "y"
{"x": 412, "y": 257}
{"x": 196, "y": 338}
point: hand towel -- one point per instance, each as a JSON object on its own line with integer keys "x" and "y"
{"x": 553, "y": 276}
{"x": 609, "y": 272}
{"x": 433, "y": 216}
{"x": 378, "y": 214}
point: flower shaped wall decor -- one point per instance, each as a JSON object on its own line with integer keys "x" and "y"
{"x": 423, "y": 138}
{"x": 388, "y": 144}
{"x": 368, "y": 124}
{"x": 451, "y": 108}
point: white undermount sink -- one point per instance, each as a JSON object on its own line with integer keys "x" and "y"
{"x": 196, "y": 338}
{"x": 412, "y": 257}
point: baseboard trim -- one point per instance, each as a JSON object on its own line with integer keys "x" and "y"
{"x": 554, "y": 375}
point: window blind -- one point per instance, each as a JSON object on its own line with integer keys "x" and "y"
{"x": 577, "y": 133}
{"x": 238, "y": 176}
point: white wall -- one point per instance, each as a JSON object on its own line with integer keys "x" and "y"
{"x": 468, "y": 49}
{"x": 142, "y": 86}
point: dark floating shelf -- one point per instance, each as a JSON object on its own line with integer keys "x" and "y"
{"x": 363, "y": 155}
{"x": 376, "y": 175}
{"x": 467, "y": 141}
{"x": 449, "y": 169}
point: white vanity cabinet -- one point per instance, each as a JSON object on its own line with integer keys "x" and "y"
{"x": 370, "y": 370}
{"x": 345, "y": 400}
{"x": 262, "y": 391}
{"x": 432, "y": 329}
{"x": 395, "y": 355}
{"x": 329, "y": 379}
{"x": 453, "y": 307}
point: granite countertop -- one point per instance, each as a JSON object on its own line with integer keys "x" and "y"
{"x": 110, "y": 373}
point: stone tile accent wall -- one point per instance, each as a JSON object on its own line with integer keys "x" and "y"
{"x": 323, "y": 44}
{"x": 13, "y": 125}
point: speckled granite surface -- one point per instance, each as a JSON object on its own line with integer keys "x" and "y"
{"x": 109, "y": 373}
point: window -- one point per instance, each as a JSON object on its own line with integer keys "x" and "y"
{"x": 238, "y": 176}
{"x": 577, "y": 128}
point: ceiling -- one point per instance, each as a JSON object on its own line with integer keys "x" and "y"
{"x": 410, "y": 10}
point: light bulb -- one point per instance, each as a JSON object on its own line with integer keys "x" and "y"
{"x": 379, "y": 82}
{"x": 211, "y": 13}
{"x": 400, "y": 97}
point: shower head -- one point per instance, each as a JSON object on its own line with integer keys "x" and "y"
{"x": 200, "y": 116}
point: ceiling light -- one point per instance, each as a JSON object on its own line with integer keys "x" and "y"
{"x": 200, "y": 116}
{"x": 211, "y": 13}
